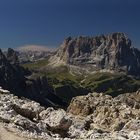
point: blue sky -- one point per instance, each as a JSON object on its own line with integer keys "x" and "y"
{"x": 48, "y": 22}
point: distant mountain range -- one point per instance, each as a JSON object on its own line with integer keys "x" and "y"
{"x": 31, "y": 53}
{"x": 33, "y": 48}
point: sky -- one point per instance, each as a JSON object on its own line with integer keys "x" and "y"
{"x": 49, "y": 22}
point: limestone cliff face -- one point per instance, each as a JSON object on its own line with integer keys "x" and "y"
{"x": 94, "y": 116}
{"x": 110, "y": 52}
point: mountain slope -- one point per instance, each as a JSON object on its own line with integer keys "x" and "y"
{"x": 19, "y": 81}
{"x": 106, "y": 63}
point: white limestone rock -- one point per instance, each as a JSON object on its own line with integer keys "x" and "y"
{"x": 56, "y": 119}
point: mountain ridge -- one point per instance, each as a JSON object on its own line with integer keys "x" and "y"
{"x": 112, "y": 52}
{"x": 33, "y": 48}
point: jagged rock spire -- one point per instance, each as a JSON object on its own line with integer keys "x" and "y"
{"x": 12, "y": 56}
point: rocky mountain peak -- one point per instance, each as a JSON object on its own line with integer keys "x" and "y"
{"x": 111, "y": 40}
{"x": 12, "y": 56}
{"x": 2, "y": 58}
{"x": 105, "y": 52}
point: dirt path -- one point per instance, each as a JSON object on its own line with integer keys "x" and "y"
{"x": 6, "y": 135}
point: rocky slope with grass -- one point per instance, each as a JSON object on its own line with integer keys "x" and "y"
{"x": 23, "y": 83}
{"x": 105, "y": 53}
{"x": 94, "y": 116}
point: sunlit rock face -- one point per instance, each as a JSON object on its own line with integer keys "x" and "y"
{"x": 106, "y": 117}
{"x": 29, "y": 120}
{"x": 106, "y": 52}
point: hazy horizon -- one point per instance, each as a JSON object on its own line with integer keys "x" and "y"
{"x": 49, "y": 22}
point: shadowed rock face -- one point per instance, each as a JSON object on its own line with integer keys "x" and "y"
{"x": 11, "y": 76}
{"x": 111, "y": 52}
{"x": 12, "y": 56}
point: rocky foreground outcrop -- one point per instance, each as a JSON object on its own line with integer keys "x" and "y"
{"x": 95, "y": 116}
{"x": 113, "y": 52}
{"x": 116, "y": 118}
{"x": 28, "y": 119}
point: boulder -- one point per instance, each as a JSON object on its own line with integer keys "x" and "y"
{"x": 56, "y": 119}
